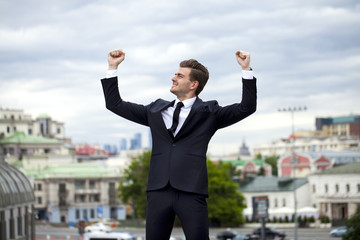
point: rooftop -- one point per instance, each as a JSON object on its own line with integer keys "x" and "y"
{"x": 258, "y": 162}
{"x": 20, "y": 137}
{"x": 15, "y": 187}
{"x": 78, "y": 170}
{"x": 271, "y": 184}
{"x": 350, "y": 168}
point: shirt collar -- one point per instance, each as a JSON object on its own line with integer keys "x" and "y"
{"x": 187, "y": 103}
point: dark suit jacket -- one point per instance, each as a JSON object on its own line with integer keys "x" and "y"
{"x": 181, "y": 160}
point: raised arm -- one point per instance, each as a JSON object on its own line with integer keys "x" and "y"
{"x": 131, "y": 111}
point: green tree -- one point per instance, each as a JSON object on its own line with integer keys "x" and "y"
{"x": 271, "y": 160}
{"x": 261, "y": 171}
{"x": 353, "y": 226}
{"x": 225, "y": 202}
{"x": 132, "y": 189}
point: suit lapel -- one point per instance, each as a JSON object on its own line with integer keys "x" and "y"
{"x": 158, "y": 119}
{"x": 198, "y": 103}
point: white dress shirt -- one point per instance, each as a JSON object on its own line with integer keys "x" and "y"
{"x": 168, "y": 113}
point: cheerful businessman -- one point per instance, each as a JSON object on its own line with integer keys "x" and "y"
{"x": 181, "y": 131}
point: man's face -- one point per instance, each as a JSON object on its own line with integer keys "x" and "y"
{"x": 182, "y": 85}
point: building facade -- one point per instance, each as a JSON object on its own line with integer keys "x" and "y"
{"x": 15, "y": 120}
{"x": 313, "y": 162}
{"x": 335, "y": 192}
{"x": 280, "y": 192}
{"x": 339, "y": 126}
{"x": 284, "y": 146}
{"x": 73, "y": 192}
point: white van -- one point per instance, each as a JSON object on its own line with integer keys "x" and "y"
{"x": 119, "y": 235}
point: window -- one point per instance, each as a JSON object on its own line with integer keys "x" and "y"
{"x": 94, "y": 198}
{"x": 77, "y": 212}
{"x": 358, "y": 187}
{"x": 284, "y": 202}
{"x": 92, "y": 184}
{"x": 58, "y": 130}
{"x": 80, "y": 198}
{"x": 92, "y": 213}
{"x": 313, "y": 188}
{"x": 80, "y": 184}
{"x": 276, "y": 203}
{"x": 62, "y": 187}
{"x": 85, "y": 214}
{"x": 8, "y": 129}
{"x": 39, "y": 200}
{"x": 326, "y": 188}
{"x": 39, "y": 187}
{"x": 337, "y": 188}
{"x": 29, "y": 131}
{"x": 347, "y": 187}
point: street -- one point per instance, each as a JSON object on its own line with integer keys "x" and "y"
{"x": 44, "y": 232}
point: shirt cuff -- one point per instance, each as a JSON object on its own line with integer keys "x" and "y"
{"x": 248, "y": 74}
{"x": 111, "y": 73}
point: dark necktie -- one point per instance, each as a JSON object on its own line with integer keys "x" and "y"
{"x": 175, "y": 122}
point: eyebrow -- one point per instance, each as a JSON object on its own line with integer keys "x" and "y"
{"x": 179, "y": 74}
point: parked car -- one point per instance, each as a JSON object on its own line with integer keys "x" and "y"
{"x": 270, "y": 233}
{"x": 338, "y": 232}
{"x": 98, "y": 227}
{"x": 120, "y": 235}
{"x": 234, "y": 235}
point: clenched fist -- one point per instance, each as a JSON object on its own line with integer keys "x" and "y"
{"x": 243, "y": 58}
{"x": 115, "y": 57}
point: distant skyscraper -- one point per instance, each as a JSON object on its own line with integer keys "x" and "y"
{"x": 111, "y": 149}
{"x": 123, "y": 144}
{"x": 135, "y": 143}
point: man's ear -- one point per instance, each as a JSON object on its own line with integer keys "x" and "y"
{"x": 194, "y": 84}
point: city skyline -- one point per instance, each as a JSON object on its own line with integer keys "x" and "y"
{"x": 53, "y": 55}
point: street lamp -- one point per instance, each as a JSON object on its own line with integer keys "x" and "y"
{"x": 293, "y": 158}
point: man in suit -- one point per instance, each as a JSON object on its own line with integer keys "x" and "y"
{"x": 181, "y": 131}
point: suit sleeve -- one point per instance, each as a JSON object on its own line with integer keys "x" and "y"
{"x": 131, "y": 111}
{"x": 234, "y": 113}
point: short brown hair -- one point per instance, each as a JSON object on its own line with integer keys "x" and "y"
{"x": 198, "y": 73}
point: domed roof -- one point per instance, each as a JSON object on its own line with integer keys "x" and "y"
{"x": 15, "y": 187}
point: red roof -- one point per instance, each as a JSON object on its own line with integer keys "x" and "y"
{"x": 91, "y": 151}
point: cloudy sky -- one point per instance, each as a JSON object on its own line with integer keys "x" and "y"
{"x": 304, "y": 53}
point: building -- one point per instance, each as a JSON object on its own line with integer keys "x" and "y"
{"x": 332, "y": 133}
{"x": 73, "y": 192}
{"x": 136, "y": 142}
{"x": 16, "y": 204}
{"x": 335, "y": 192}
{"x": 280, "y": 192}
{"x": 308, "y": 144}
{"x": 123, "y": 144}
{"x": 339, "y": 126}
{"x": 12, "y": 120}
{"x": 35, "y": 152}
{"x": 85, "y": 153}
{"x": 312, "y": 162}
{"x": 251, "y": 168}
